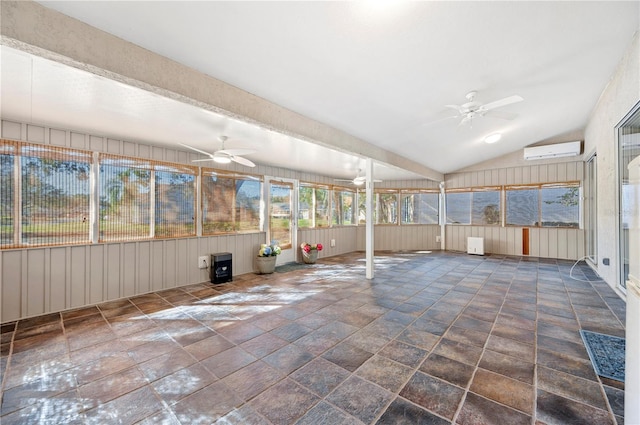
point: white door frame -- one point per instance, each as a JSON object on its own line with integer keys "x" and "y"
{"x": 287, "y": 255}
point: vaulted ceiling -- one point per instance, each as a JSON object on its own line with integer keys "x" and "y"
{"x": 380, "y": 71}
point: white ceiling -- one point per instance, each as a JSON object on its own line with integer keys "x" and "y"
{"x": 380, "y": 71}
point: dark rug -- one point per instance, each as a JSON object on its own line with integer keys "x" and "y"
{"x": 290, "y": 267}
{"x": 606, "y": 353}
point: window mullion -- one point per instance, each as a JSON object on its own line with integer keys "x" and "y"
{"x": 94, "y": 199}
{"x": 17, "y": 207}
{"x": 152, "y": 202}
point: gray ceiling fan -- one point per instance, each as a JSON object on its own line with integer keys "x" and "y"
{"x": 358, "y": 180}
{"x": 473, "y": 109}
{"x": 225, "y": 156}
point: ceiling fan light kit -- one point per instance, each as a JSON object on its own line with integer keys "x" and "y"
{"x": 493, "y": 138}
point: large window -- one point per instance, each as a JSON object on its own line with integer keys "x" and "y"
{"x": 546, "y": 205}
{"x": 343, "y": 206}
{"x": 420, "y": 207}
{"x": 477, "y": 206}
{"x": 175, "y": 212}
{"x": 387, "y": 207}
{"x": 230, "y": 202}
{"x": 314, "y": 205}
{"x": 53, "y": 206}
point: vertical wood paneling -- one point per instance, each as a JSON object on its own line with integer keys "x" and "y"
{"x": 144, "y": 267}
{"x": 78, "y": 141}
{"x": 35, "y": 134}
{"x": 157, "y": 260}
{"x": 129, "y": 268}
{"x": 35, "y": 282}
{"x": 96, "y": 143}
{"x": 112, "y": 271}
{"x": 534, "y": 245}
{"x": 58, "y": 137}
{"x": 169, "y": 264}
{"x": 11, "y": 285}
{"x": 78, "y": 276}
{"x": 57, "y": 280}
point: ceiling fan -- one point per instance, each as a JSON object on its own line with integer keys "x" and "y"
{"x": 473, "y": 109}
{"x": 225, "y": 156}
{"x": 358, "y": 180}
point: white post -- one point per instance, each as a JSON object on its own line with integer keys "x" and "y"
{"x": 369, "y": 217}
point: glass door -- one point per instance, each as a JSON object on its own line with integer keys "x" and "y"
{"x": 628, "y": 149}
{"x": 282, "y": 226}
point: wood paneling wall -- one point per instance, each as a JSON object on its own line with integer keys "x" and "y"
{"x": 543, "y": 242}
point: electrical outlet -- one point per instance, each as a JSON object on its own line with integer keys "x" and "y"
{"x": 203, "y": 262}
{"x": 438, "y": 239}
{"x": 333, "y": 243}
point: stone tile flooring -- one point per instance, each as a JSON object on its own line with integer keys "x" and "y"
{"x": 435, "y": 338}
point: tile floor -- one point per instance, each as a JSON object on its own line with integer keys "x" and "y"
{"x": 434, "y": 339}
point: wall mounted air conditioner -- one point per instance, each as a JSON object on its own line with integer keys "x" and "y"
{"x": 552, "y": 151}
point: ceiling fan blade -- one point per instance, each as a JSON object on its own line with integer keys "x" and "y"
{"x": 239, "y": 151}
{"x": 441, "y": 119}
{"x": 458, "y": 108}
{"x": 502, "y": 102}
{"x": 467, "y": 119}
{"x": 242, "y": 161}
{"x": 202, "y": 160}
{"x": 501, "y": 114}
{"x": 196, "y": 149}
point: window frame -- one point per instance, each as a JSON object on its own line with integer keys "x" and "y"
{"x": 539, "y": 187}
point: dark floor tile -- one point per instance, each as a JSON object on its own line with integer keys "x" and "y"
{"x": 559, "y": 332}
{"x": 511, "y": 332}
{"x": 111, "y": 387}
{"x": 207, "y": 405}
{"x": 239, "y": 333}
{"x": 404, "y": 353}
{"x": 384, "y": 372}
{"x": 465, "y": 353}
{"x": 360, "y": 398}
{"x": 402, "y": 412}
{"x": 120, "y": 410}
{"x": 473, "y": 324}
{"x": 562, "y": 346}
{"x": 616, "y": 400}
{"x": 36, "y": 392}
{"x": 433, "y": 394}
{"x": 102, "y": 367}
{"x": 368, "y": 340}
{"x": 291, "y": 331}
{"x": 320, "y": 376}
{"x": 565, "y": 363}
{"x": 507, "y": 391}
{"x": 509, "y": 366}
{"x": 252, "y": 379}
{"x": 418, "y": 338}
{"x": 467, "y": 336}
{"x": 570, "y": 386}
{"x": 511, "y": 347}
{"x": 227, "y": 362}
{"x": 448, "y": 369}
{"x": 432, "y": 326}
{"x": 244, "y": 415}
{"x": 324, "y": 413}
{"x": 289, "y": 358}
{"x": 478, "y": 410}
{"x": 209, "y": 347}
{"x": 263, "y": 345}
{"x": 555, "y": 409}
{"x": 284, "y": 403}
{"x": 166, "y": 364}
{"x": 347, "y": 356}
{"x": 65, "y": 408}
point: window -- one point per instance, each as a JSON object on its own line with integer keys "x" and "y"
{"x": 314, "y": 205}
{"x": 546, "y": 205}
{"x": 231, "y": 203}
{"x": 125, "y": 198}
{"x": 387, "y": 207}
{"x": 175, "y": 201}
{"x": 420, "y": 207}
{"x": 53, "y": 206}
{"x": 343, "y": 207}
{"x": 477, "y": 206}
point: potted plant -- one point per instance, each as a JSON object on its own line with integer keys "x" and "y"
{"x": 310, "y": 252}
{"x": 266, "y": 259}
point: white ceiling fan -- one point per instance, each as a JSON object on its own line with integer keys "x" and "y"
{"x": 474, "y": 109}
{"x": 225, "y": 156}
{"x": 358, "y": 180}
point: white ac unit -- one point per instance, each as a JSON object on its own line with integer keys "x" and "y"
{"x": 552, "y": 151}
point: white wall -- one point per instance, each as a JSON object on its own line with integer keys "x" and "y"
{"x": 618, "y": 98}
